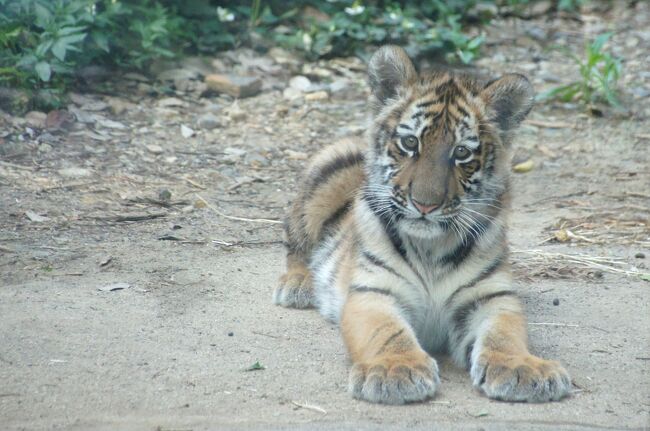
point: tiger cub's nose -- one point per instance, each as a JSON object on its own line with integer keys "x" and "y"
{"x": 424, "y": 208}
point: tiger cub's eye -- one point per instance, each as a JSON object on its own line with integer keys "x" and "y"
{"x": 461, "y": 152}
{"x": 409, "y": 143}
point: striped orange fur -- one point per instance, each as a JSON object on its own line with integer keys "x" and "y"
{"x": 401, "y": 238}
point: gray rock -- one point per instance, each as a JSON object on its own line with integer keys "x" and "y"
{"x": 640, "y": 92}
{"x": 135, "y": 77}
{"x": 208, "y": 121}
{"x": 257, "y": 159}
{"x": 74, "y": 172}
{"x": 13, "y": 101}
{"x": 174, "y": 74}
{"x": 36, "y": 119}
{"x": 236, "y": 86}
{"x": 300, "y": 83}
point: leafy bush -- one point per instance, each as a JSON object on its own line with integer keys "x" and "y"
{"x": 45, "y": 43}
{"x": 430, "y": 26}
{"x": 599, "y": 73}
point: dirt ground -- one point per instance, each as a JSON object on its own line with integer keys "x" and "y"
{"x": 131, "y": 299}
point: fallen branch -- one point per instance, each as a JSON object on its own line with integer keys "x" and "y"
{"x": 229, "y": 217}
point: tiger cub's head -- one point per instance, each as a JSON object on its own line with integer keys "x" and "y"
{"x": 438, "y": 159}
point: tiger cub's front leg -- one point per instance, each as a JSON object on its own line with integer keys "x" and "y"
{"x": 296, "y": 288}
{"x": 389, "y": 366}
{"x": 499, "y": 361}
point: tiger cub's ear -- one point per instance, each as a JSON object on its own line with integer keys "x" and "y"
{"x": 390, "y": 68}
{"x": 509, "y": 99}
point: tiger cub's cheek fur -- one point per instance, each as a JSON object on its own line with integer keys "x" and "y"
{"x": 402, "y": 239}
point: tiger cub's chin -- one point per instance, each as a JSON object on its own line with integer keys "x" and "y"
{"x": 422, "y": 228}
{"x": 401, "y": 286}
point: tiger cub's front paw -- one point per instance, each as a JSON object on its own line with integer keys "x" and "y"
{"x": 295, "y": 290}
{"x": 520, "y": 378}
{"x": 395, "y": 379}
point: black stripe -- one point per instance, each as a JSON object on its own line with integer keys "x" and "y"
{"x": 380, "y": 263}
{"x": 468, "y": 353}
{"x": 432, "y": 115}
{"x": 335, "y": 218}
{"x": 361, "y": 289}
{"x": 462, "y": 111}
{"x": 485, "y": 273}
{"x": 458, "y": 255}
{"x": 335, "y": 165}
{"x": 427, "y": 103}
{"x": 378, "y": 330}
{"x": 404, "y": 126}
{"x": 389, "y": 340}
{"x": 462, "y": 315}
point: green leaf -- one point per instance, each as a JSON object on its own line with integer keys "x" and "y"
{"x": 101, "y": 40}
{"x": 255, "y": 367}
{"x": 43, "y": 15}
{"x": 69, "y": 30}
{"x": 59, "y": 49}
{"x": 42, "y": 48}
{"x": 476, "y": 42}
{"x": 27, "y": 61}
{"x": 465, "y": 56}
{"x": 43, "y": 70}
{"x": 599, "y": 42}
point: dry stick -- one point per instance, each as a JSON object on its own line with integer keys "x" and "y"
{"x": 127, "y": 218}
{"x": 550, "y": 124}
{"x": 229, "y": 217}
{"x": 232, "y": 244}
{"x": 567, "y": 325}
{"x": 309, "y": 407}
{"x": 195, "y": 184}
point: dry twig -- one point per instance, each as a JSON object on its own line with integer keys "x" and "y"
{"x": 229, "y": 217}
{"x": 309, "y": 407}
{"x": 550, "y": 124}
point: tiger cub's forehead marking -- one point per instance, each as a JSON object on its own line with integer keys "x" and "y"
{"x": 417, "y": 118}
{"x": 421, "y": 116}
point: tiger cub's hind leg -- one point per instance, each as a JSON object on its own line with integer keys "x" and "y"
{"x": 331, "y": 181}
{"x": 295, "y": 289}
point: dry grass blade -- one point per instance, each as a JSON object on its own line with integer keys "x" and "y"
{"x": 550, "y": 124}
{"x": 564, "y": 325}
{"x": 604, "y": 264}
{"x": 309, "y": 407}
{"x": 229, "y": 217}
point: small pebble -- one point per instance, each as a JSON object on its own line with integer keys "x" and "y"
{"x": 556, "y": 301}
{"x": 640, "y": 256}
{"x": 164, "y": 195}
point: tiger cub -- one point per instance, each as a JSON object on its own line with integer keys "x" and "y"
{"x": 402, "y": 240}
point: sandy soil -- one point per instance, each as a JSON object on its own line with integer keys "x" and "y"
{"x": 169, "y": 351}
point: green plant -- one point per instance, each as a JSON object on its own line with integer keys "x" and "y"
{"x": 599, "y": 73}
{"x": 351, "y": 26}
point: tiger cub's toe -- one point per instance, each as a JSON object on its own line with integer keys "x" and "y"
{"x": 395, "y": 379}
{"x": 295, "y": 291}
{"x": 520, "y": 378}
